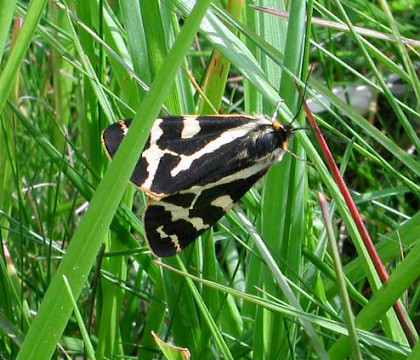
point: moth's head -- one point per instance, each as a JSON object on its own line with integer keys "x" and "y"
{"x": 284, "y": 132}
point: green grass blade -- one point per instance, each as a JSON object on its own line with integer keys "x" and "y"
{"x": 55, "y": 311}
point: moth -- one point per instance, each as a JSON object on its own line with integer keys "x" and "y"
{"x": 195, "y": 168}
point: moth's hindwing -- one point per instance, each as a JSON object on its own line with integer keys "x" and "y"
{"x": 194, "y": 168}
{"x": 176, "y": 221}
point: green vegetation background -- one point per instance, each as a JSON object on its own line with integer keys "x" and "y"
{"x": 263, "y": 284}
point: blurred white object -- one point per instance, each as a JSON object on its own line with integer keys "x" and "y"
{"x": 358, "y": 96}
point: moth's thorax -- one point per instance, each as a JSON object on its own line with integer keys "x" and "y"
{"x": 282, "y": 132}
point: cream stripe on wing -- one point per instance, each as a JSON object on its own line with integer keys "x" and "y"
{"x": 225, "y": 137}
{"x": 154, "y": 154}
{"x": 191, "y": 127}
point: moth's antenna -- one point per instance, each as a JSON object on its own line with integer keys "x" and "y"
{"x": 289, "y": 125}
{"x": 323, "y": 133}
{"x": 280, "y": 102}
{"x": 274, "y": 116}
